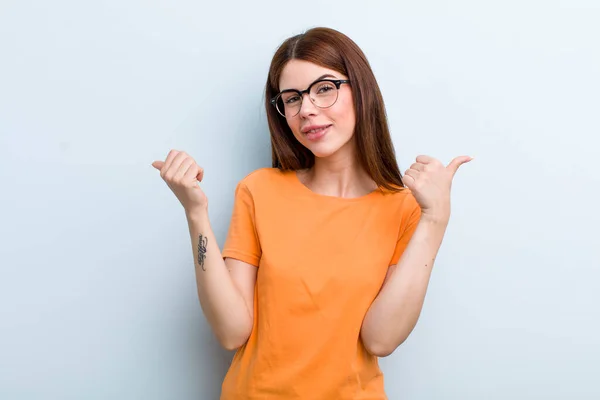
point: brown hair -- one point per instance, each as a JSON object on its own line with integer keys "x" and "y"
{"x": 334, "y": 50}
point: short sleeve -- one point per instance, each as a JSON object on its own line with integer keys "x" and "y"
{"x": 410, "y": 219}
{"x": 242, "y": 239}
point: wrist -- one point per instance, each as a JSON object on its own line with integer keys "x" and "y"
{"x": 197, "y": 214}
{"x": 438, "y": 218}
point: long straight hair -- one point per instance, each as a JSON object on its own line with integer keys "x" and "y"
{"x": 334, "y": 50}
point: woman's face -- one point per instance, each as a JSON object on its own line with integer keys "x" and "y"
{"x": 324, "y": 131}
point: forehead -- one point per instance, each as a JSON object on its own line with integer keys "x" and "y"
{"x": 298, "y": 74}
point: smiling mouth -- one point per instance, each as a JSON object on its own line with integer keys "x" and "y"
{"x": 318, "y": 129}
{"x": 318, "y": 133}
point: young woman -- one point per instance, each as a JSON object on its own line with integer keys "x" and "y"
{"x": 329, "y": 252}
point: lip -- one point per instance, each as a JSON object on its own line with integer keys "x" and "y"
{"x": 311, "y": 127}
{"x": 314, "y": 136}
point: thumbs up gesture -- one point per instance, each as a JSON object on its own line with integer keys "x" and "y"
{"x": 182, "y": 175}
{"x": 430, "y": 182}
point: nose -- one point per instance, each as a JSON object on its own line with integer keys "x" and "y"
{"x": 307, "y": 107}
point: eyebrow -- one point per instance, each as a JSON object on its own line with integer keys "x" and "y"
{"x": 319, "y": 78}
{"x": 324, "y": 76}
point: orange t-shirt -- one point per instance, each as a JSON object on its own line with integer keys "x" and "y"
{"x": 321, "y": 262}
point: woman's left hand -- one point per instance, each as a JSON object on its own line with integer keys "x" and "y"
{"x": 430, "y": 182}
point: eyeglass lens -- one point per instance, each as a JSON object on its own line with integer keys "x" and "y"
{"x": 323, "y": 94}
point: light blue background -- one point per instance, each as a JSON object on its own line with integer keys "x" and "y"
{"x": 97, "y": 290}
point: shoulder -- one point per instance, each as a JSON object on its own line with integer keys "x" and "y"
{"x": 402, "y": 202}
{"x": 264, "y": 179}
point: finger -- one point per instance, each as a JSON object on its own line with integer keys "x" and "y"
{"x": 408, "y": 181}
{"x": 457, "y": 162}
{"x": 183, "y": 168}
{"x": 412, "y": 173}
{"x": 425, "y": 159}
{"x": 418, "y": 167}
{"x": 170, "y": 157}
{"x": 194, "y": 173}
{"x": 158, "y": 164}
{"x": 174, "y": 167}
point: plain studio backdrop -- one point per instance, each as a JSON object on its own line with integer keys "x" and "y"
{"x": 97, "y": 289}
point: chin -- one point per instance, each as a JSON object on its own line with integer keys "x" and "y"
{"x": 323, "y": 149}
{"x": 324, "y": 152}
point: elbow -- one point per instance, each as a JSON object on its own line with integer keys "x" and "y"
{"x": 233, "y": 334}
{"x": 232, "y": 343}
{"x": 380, "y": 346}
{"x": 234, "y": 340}
{"x": 380, "y": 349}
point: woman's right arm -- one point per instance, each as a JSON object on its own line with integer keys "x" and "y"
{"x": 225, "y": 287}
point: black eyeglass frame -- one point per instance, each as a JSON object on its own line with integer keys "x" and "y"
{"x": 336, "y": 82}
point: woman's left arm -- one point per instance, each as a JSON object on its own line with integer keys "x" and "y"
{"x": 396, "y": 309}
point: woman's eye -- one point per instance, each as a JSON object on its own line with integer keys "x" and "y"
{"x": 291, "y": 100}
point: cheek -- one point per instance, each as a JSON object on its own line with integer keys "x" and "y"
{"x": 345, "y": 117}
{"x": 294, "y": 124}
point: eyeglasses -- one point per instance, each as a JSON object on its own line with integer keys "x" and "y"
{"x": 322, "y": 93}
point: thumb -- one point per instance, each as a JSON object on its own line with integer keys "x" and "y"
{"x": 158, "y": 164}
{"x": 457, "y": 162}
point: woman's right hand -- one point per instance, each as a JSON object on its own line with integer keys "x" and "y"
{"x": 182, "y": 175}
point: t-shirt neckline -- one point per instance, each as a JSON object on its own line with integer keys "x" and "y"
{"x": 306, "y": 190}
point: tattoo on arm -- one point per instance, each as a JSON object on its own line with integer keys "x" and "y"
{"x": 202, "y": 242}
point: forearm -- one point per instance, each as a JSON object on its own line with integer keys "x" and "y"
{"x": 395, "y": 311}
{"x": 221, "y": 301}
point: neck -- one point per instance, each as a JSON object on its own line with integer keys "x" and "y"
{"x": 339, "y": 175}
